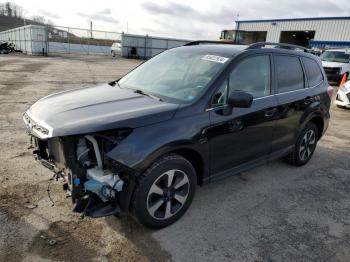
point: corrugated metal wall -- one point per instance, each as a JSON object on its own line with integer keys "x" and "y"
{"x": 326, "y": 30}
{"x": 30, "y": 39}
{"x": 148, "y": 46}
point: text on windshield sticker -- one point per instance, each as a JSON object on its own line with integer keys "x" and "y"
{"x": 215, "y": 58}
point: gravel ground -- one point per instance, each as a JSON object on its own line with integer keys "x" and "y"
{"x": 272, "y": 213}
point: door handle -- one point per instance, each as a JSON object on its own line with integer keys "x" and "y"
{"x": 270, "y": 112}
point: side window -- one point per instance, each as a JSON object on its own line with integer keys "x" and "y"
{"x": 220, "y": 97}
{"x": 313, "y": 72}
{"x": 252, "y": 75}
{"x": 289, "y": 73}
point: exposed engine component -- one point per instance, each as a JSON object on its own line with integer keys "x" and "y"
{"x": 82, "y": 152}
{"x": 97, "y": 185}
{"x": 103, "y": 183}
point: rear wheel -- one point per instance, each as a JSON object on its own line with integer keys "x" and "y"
{"x": 164, "y": 192}
{"x": 305, "y": 145}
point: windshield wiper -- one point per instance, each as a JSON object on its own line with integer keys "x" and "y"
{"x": 141, "y": 92}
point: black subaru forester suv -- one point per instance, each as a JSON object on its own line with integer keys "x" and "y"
{"x": 188, "y": 116}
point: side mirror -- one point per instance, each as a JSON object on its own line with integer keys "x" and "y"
{"x": 240, "y": 99}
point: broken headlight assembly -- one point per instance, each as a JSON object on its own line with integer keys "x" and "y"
{"x": 35, "y": 127}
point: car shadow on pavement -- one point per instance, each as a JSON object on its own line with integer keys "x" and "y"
{"x": 273, "y": 212}
{"x": 140, "y": 236}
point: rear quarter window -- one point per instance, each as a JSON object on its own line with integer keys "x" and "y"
{"x": 289, "y": 73}
{"x": 313, "y": 72}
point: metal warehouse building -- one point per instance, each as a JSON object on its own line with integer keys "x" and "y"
{"x": 313, "y": 32}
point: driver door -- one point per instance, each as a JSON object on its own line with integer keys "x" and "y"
{"x": 244, "y": 137}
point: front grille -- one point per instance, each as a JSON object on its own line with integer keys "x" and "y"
{"x": 332, "y": 70}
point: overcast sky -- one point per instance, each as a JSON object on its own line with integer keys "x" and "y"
{"x": 187, "y": 19}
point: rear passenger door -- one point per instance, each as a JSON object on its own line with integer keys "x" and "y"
{"x": 293, "y": 97}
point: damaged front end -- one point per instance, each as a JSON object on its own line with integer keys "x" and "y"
{"x": 99, "y": 186}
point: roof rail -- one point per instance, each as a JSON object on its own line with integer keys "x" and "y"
{"x": 280, "y": 45}
{"x": 203, "y": 42}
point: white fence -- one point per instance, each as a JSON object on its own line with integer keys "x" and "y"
{"x": 30, "y": 39}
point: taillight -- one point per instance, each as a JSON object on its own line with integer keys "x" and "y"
{"x": 330, "y": 91}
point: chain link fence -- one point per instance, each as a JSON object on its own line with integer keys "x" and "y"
{"x": 46, "y": 40}
{"x": 69, "y": 40}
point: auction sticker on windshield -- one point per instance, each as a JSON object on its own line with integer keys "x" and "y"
{"x": 215, "y": 58}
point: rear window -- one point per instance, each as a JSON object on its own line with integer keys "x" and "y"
{"x": 289, "y": 72}
{"x": 313, "y": 72}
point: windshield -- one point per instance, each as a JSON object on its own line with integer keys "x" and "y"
{"x": 335, "y": 56}
{"x": 179, "y": 74}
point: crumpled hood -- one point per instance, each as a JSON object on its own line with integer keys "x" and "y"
{"x": 98, "y": 108}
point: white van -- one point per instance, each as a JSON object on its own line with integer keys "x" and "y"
{"x": 336, "y": 62}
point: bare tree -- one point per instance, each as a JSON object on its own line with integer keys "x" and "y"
{"x": 8, "y": 9}
{"x": 18, "y": 10}
{"x": 2, "y": 9}
{"x": 39, "y": 19}
{"x": 11, "y": 9}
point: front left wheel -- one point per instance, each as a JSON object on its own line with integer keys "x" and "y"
{"x": 164, "y": 192}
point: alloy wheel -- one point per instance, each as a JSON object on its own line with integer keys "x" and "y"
{"x": 307, "y": 145}
{"x": 168, "y": 194}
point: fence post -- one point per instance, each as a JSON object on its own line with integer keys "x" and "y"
{"x": 106, "y": 44}
{"x": 144, "y": 55}
{"x": 47, "y": 40}
{"x": 68, "y": 29}
{"x": 89, "y": 44}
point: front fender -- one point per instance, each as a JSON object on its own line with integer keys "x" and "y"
{"x": 146, "y": 144}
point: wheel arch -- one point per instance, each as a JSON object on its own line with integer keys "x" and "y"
{"x": 319, "y": 122}
{"x": 195, "y": 159}
{"x": 187, "y": 151}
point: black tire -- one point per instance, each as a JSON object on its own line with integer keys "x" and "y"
{"x": 158, "y": 176}
{"x": 296, "y": 157}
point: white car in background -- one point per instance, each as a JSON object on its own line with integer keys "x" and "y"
{"x": 336, "y": 63}
{"x": 343, "y": 96}
{"x": 116, "y": 49}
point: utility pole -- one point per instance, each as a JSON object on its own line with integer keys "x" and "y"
{"x": 236, "y": 28}
{"x": 91, "y": 29}
{"x": 236, "y": 20}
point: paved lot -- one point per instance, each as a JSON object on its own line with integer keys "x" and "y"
{"x": 272, "y": 213}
